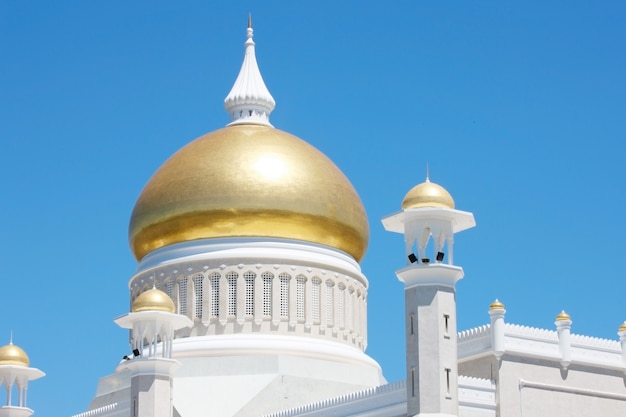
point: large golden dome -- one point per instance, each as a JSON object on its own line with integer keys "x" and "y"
{"x": 13, "y": 355}
{"x": 427, "y": 194}
{"x": 249, "y": 180}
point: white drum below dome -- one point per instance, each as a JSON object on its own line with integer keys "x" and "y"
{"x": 271, "y": 286}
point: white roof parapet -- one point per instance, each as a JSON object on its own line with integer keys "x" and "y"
{"x": 583, "y": 340}
{"x": 365, "y": 402}
{"x": 390, "y": 400}
{"x": 474, "y": 332}
{"x": 477, "y": 393}
{"x": 249, "y": 101}
{"x": 474, "y": 342}
{"x": 528, "y": 332}
{"x": 98, "y": 411}
{"x": 540, "y": 343}
{"x": 474, "y": 382}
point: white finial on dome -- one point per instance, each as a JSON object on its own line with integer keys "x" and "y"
{"x": 249, "y": 101}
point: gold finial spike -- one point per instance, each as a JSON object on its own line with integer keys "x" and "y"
{"x": 496, "y": 305}
{"x": 249, "y": 20}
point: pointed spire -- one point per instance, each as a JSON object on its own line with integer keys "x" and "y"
{"x": 249, "y": 101}
{"x": 427, "y": 173}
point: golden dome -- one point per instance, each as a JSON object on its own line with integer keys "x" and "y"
{"x": 622, "y": 327}
{"x": 496, "y": 305}
{"x": 13, "y": 355}
{"x": 249, "y": 181}
{"x": 153, "y": 300}
{"x": 563, "y": 316}
{"x": 427, "y": 194}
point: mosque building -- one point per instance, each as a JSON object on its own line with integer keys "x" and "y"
{"x": 249, "y": 299}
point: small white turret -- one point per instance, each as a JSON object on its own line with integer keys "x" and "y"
{"x": 428, "y": 212}
{"x": 622, "y": 339}
{"x": 152, "y": 322}
{"x": 15, "y": 372}
{"x": 497, "y": 312}
{"x": 563, "y": 324}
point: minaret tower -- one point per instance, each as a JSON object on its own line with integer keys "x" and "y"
{"x": 152, "y": 323}
{"x": 15, "y": 372}
{"x": 430, "y": 303}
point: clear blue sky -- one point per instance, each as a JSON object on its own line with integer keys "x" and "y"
{"x": 519, "y": 109}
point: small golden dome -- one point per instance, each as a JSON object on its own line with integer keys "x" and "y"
{"x": 622, "y": 327}
{"x": 496, "y": 305}
{"x": 249, "y": 181}
{"x": 562, "y": 316}
{"x": 427, "y": 194}
{"x": 13, "y": 355}
{"x": 153, "y": 300}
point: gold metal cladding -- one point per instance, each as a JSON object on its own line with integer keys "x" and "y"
{"x": 13, "y": 355}
{"x": 622, "y": 327}
{"x": 249, "y": 181}
{"x": 153, "y": 300}
{"x": 427, "y": 194}
{"x": 562, "y": 316}
{"x": 496, "y": 305}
